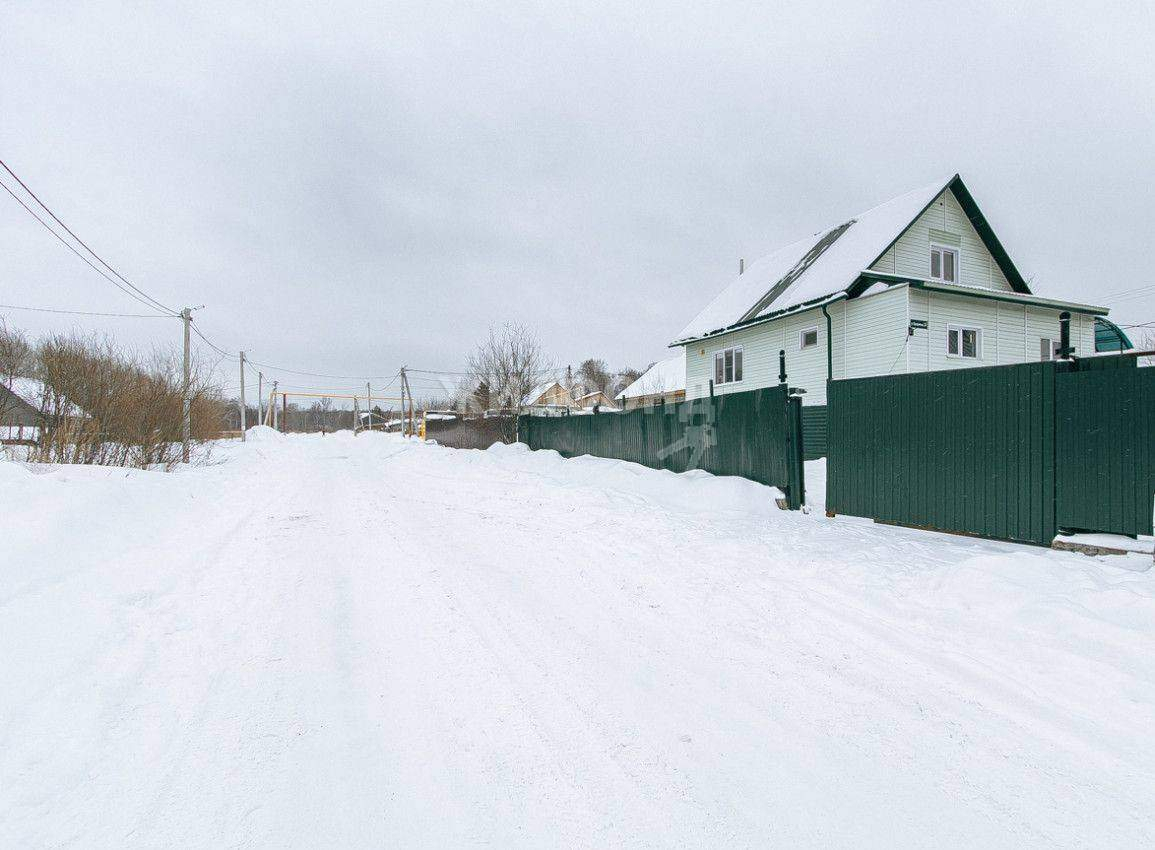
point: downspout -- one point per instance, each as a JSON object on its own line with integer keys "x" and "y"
{"x": 830, "y": 338}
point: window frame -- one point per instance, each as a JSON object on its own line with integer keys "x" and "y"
{"x": 954, "y": 249}
{"x": 802, "y": 346}
{"x": 1055, "y": 346}
{"x": 978, "y": 342}
{"x": 737, "y": 365}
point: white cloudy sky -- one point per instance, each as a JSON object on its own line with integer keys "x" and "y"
{"x": 350, "y": 187}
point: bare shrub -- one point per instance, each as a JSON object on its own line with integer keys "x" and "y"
{"x": 100, "y": 406}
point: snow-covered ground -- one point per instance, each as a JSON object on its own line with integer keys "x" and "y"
{"x": 363, "y": 642}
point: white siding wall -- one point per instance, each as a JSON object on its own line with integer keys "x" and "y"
{"x": 760, "y": 347}
{"x": 869, "y": 335}
{"x": 1011, "y": 332}
{"x": 910, "y": 255}
{"x": 875, "y": 333}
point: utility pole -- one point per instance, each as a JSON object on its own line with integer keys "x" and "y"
{"x": 369, "y": 403}
{"x": 409, "y": 390}
{"x": 186, "y": 398}
{"x": 260, "y": 398}
{"x": 244, "y": 413}
{"x": 404, "y": 427}
{"x": 272, "y": 411}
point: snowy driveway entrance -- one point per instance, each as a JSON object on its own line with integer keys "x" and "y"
{"x": 339, "y": 642}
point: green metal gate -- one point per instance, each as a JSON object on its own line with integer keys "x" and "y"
{"x": 755, "y": 434}
{"x": 969, "y": 450}
{"x": 1106, "y": 450}
{"x": 1010, "y": 452}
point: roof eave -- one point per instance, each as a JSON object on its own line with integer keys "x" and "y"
{"x": 1007, "y": 297}
{"x": 759, "y": 320}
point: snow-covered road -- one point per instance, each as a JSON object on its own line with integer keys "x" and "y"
{"x": 358, "y": 642}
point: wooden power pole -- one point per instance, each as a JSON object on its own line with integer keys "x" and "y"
{"x": 186, "y": 394}
{"x": 244, "y": 413}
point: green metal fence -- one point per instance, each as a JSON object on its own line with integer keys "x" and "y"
{"x": 970, "y": 450}
{"x": 755, "y": 434}
{"x": 1010, "y": 452}
{"x": 1106, "y": 450}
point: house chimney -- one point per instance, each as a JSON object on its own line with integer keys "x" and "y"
{"x": 741, "y": 265}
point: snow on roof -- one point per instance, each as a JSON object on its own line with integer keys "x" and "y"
{"x": 665, "y": 376}
{"x": 28, "y": 390}
{"x": 537, "y": 392}
{"x": 811, "y": 268}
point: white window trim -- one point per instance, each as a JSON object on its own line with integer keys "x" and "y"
{"x": 957, "y": 251}
{"x": 802, "y": 346}
{"x": 721, "y": 352}
{"x": 1055, "y": 345}
{"x": 978, "y": 342}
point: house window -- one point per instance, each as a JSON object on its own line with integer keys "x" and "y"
{"x": 1048, "y": 349}
{"x": 807, "y": 338}
{"x": 966, "y": 343}
{"x": 728, "y": 366}
{"x": 944, "y": 263}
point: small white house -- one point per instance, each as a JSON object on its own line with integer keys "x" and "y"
{"x": 664, "y": 382}
{"x": 916, "y": 284}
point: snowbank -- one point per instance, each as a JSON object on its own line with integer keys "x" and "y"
{"x": 371, "y": 641}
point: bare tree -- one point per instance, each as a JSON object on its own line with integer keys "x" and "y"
{"x": 508, "y": 364}
{"x": 1146, "y": 343}
{"x": 595, "y": 375}
{"x": 624, "y": 378}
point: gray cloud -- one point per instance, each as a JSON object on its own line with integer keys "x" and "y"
{"x": 348, "y": 188}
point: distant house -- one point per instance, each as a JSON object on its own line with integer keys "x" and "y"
{"x": 662, "y": 383}
{"x": 917, "y": 284}
{"x": 549, "y": 397}
{"x": 596, "y": 399}
{"x": 20, "y": 409}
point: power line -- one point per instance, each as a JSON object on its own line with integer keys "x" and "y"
{"x": 210, "y": 343}
{"x": 85, "y": 312}
{"x": 71, "y": 248}
{"x": 148, "y": 298}
{"x": 321, "y": 375}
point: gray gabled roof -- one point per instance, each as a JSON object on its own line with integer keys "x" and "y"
{"x": 829, "y": 263}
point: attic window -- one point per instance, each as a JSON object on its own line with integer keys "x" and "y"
{"x": 944, "y": 263}
{"x": 807, "y": 338}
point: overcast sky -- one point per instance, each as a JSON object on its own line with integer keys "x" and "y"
{"x": 350, "y": 187}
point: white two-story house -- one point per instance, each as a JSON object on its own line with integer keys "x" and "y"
{"x": 918, "y": 283}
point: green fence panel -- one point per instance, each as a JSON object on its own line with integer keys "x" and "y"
{"x": 968, "y": 450}
{"x": 1106, "y": 461}
{"x": 751, "y": 434}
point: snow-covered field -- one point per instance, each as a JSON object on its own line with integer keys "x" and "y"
{"x": 362, "y": 642}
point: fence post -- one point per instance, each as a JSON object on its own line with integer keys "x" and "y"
{"x": 795, "y": 467}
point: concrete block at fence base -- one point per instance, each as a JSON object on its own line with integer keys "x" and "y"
{"x": 1103, "y": 544}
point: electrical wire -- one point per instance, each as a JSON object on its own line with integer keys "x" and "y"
{"x": 85, "y": 312}
{"x": 321, "y": 375}
{"x": 71, "y": 248}
{"x": 149, "y": 300}
{"x": 210, "y": 343}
